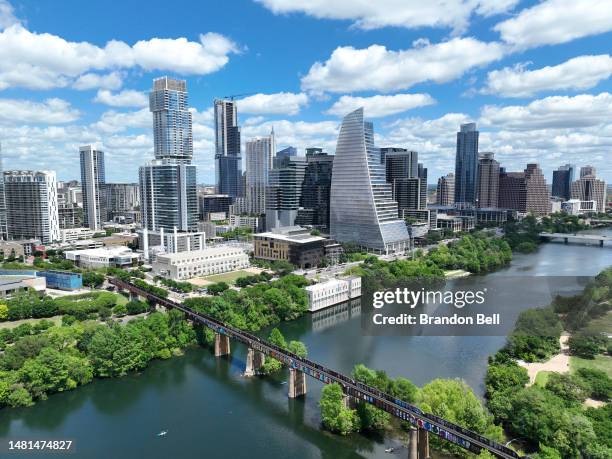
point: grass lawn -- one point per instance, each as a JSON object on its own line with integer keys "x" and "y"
{"x": 600, "y": 362}
{"x": 15, "y": 323}
{"x": 229, "y": 278}
{"x": 542, "y": 378}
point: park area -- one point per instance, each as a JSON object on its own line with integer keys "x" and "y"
{"x": 228, "y": 278}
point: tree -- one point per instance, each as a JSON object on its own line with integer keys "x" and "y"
{"x": 216, "y": 289}
{"x": 120, "y": 310}
{"x": 93, "y": 279}
{"x": 298, "y": 348}
{"x": 335, "y": 416}
{"x": 567, "y": 387}
{"x": 4, "y": 311}
{"x": 598, "y": 383}
{"x": 136, "y": 307}
{"x": 501, "y": 377}
{"x": 282, "y": 267}
{"x": 586, "y": 347}
{"x": 277, "y": 338}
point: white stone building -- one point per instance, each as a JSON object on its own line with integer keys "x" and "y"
{"x": 332, "y": 291}
{"x": 103, "y": 257}
{"x": 213, "y": 260}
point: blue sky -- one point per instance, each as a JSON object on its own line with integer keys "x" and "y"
{"x": 535, "y": 76}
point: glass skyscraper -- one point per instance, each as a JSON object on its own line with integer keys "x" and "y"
{"x": 562, "y": 181}
{"x": 228, "y": 162}
{"x": 93, "y": 177}
{"x": 168, "y": 185}
{"x": 361, "y": 208}
{"x": 466, "y": 165}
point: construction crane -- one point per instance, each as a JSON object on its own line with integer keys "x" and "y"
{"x": 233, "y": 96}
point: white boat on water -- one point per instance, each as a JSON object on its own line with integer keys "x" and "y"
{"x": 162, "y": 433}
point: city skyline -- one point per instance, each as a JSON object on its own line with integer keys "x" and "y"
{"x": 545, "y": 98}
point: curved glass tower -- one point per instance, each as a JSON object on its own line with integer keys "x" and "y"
{"x": 361, "y": 208}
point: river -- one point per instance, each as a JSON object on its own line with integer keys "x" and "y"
{"x": 210, "y": 410}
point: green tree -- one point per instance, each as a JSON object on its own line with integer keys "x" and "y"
{"x": 120, "y": 310}
{"x": 93, "y": 279}
{"x": 335, "y": 416}
{"x": 277, "y": 338}
{"x": 567, "y": 387}
{"x": 4, "y": 310}
{"x": 298, "y": 348}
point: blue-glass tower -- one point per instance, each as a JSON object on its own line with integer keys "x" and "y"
{"x": 466, "y": 165}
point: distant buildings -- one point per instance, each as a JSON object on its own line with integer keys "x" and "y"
{"x": 204, "y": 262}
{"x": 281, "y": 155}
{"x": 466, "y": 165}
{"x": 587, "y": 171}
{"x": 3, "y": 227}
{"x": 488, "y": 181}
{"x": 212, "y": 203}
{"x": 590, "y": 188}
{"x": 362, "y": 209}
{"x": 168, "y": 184}
{"x": 260, "y": 154}
{"x": 93, "y": 178}
{"x": 228, "y": 162}
{"x": 562, "y": 181}
{"x": 31, "y": 200}
{"x": 407, "y": 177}
{"x": 284, "y": 192}
{"x": 316, "y": 189}
{"x": 122, "y": 200}
{"x": 525, "y": 191}
{"x": 445, "y": 193}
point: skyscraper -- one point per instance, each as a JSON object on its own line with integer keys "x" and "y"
{"x": 168, "y": 187}
{"x": 284, "y": 192}
{"x": 3, "y": 228}
{"x": 228, "y": 162}
{"x": 92, "y": 184}
{"x": 361, "y": 208}
{"x": 121, "y": 199}
{"x": 466, "y": 165}
{"x": 399, "y": 163}
{"x": 562, "y": 181}
{"x": 590, "y": 188}
{"x": 284, "y": 153}
{"x": 172, "y": 125}
{"x": 31, "y": 200}
{"x": 316, "y": 189}
{"x": 407, "y": 177}
{"x": 259, "y": 160}
{"x": 445, "y": 195}
{"x": 488, "y": 181}
{"x": 524, "y": 191}
{"x": 588, "y": 170}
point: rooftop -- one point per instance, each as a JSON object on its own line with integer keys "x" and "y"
{"x": 210, "y": 251}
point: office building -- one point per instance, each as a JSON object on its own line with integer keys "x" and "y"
{"x": 362, "y": 210}
{"x": 284, "y": 192}
{"x": 170, "y": 241}
{"x": 93, "y": 179}
{"x": 316, "y": 189}
{"x": 281, "y": 155}
{"x": 245, "y": 221}
{"x": 332, "y": 291}
{"x": 562, "y": 181}
{"x": 399, "y": 163}
{"x": 587, "y": 171}
{"x": 590, "y": 188}
{"x": 445, "y": 192}
{"x": 168, "y": 184}
{"x": 121, "y": 199}
{"x": 212, "y": 203}
{"x": 525, "y": 191}
{"x": 31, "y": 201}
{"x": 213, "y": 260}
{"x": 3, "y": 227}
{"x": 407, "y": 177}
{"x": 70, "y": 216}
{"x": 466, "y": 165}
{"x": 291, "y": 243}
{"x": 488, "y": 181}
{"x": 228, "y": 162}
{"x": 259, "y": 162}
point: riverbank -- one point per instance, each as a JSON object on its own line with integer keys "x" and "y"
{"x": 559, "y": 363}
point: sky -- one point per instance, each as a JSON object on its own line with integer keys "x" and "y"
{"x": 533, "y": 75}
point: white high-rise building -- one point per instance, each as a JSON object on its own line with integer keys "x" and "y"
{"x": 31, "y": 200}
{"x": 3, "y": 229}
{"x": 92, "y": 184}
{"x": 590, "y": 188}
{"x": 362, "y": 210}
{"x": 260, "y": 154}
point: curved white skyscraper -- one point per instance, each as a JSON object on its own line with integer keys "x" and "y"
{"x": 361, "y": 208}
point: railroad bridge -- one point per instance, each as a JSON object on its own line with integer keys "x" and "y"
{"x": 258, "y": 348}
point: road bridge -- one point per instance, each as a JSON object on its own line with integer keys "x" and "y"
{"x": 586, "y": 238}
{"x": 424, "y": 423}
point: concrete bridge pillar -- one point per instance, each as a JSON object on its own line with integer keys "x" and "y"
{"x": 255, "y": 360}
{"x": 418, "y": 447}
{"x": 222, "y": 345}
{"x": 423, "y": 444}
{"x": 297, "y": 383}
{"x": 412, "y": 444}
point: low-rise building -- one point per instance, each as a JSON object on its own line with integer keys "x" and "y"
{"x": 212, "y": 260}
{"x": 10, "y": 249}
{"x": 62, "y": 280}
{"x": 244, "y": 221}
{"x": 578, "y": 207}
{"x": 290, "y": 243}
{"x": 455, "y": 223}
{"x": 332, "y": 291}
{"x": 75, "y": 234}
{"x": 103, "y": 257}
{"x": 13, "y": 283}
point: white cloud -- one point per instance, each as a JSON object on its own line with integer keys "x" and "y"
{"x": 556, "y": 21}
{"x": 558, "y": 112}
{"x": 376, "y": 68}
{"x": 125, "y": 98}
{"x": 369, "y": 14}
{"x": 300, "y": 134}
{"x": 43, "y": 61}
{"x": 112, "y": 121}
{"x": 7, "y": 15}
{"x": 280, "y": 103}
{"x": 111, "y": 81}
{"x": 581, "y": 72}
{"x": 379, "y": 106}
{"x": 51, "y": 111}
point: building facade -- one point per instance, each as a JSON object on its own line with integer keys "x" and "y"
{"x": 526, "y": 191}
{"x": 284, "y": 192}
{"x": 293, "y": 244}
{"x": 103, "y": 257}
{"x": 228, "y": 161}
{"x": 316, "y": 189}
{"x": 445, "y": 191}
{"x": 332, "y": 291}
{"x": 260, "y": 154}
{"x": 121, "y": 199}
{"x": 466, "y": 165}
{"x": 31, "y": 200}
{"x": 362, "y": 210}
{"x": 590, "y": 188}
{"x": 488, "y": 181}
{"x": 562, "y": 181}
{"x": 93, "y": 178}
{"x": 3, "y": 225}
{"x": 186, "y": 265}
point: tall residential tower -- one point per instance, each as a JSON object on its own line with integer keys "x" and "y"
{"x": 93, "y": 178}
{"x": 228, "y": 162}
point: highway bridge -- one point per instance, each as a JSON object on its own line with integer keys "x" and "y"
{"x": 586, "y": 238}
{"x": 258, "y": 348}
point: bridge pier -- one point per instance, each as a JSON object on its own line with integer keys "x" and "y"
{"x": 222, "y": 345}
{"x": 297, "y": 383}
{"x": 601, "y": 243}
{"x": 423, "y": 444}
{"x": 134, "y": 296}
{"x": 255, "y": 360}
{"x": 418, "y": 447}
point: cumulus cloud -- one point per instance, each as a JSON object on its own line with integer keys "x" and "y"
{"x": 44, "y": 61}
{"x": 113, "y": 121}
{"x": 379, "y": 106}
{"x": 368, "y": 14}
{"x": 7, "y": 15}
{"x": 581, "y": 72}
{"x": 377, "y": 68}
{"x": 583, "y": 110}
{"x": 125, "y": 98}
{"x": 299, "y": 134}
{"x": 51, "y": 111}
{"x": 556, "y": 21}
{"x": 280, "y": 103}
{"x": 86, "y": 81}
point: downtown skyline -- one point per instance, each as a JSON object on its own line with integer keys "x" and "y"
{"x": 423, "y": 80}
